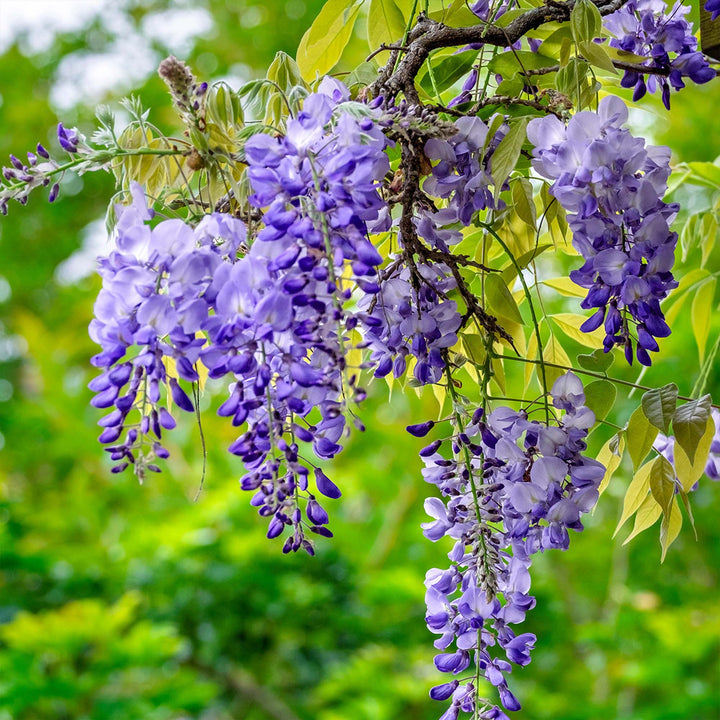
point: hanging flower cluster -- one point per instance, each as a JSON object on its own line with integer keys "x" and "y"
{"x": 274, "y": 305}
{"x": 651, "y": 29}
{"x": 273, "y": 320}
{"x": 612, "y": 185}
{"x": 40, "y": 170}
{"x": 512, "y": 487}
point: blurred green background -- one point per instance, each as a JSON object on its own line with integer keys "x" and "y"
{"x": 121, "y": 602}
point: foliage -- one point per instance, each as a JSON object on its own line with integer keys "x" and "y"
{"x": 185, "y": 617}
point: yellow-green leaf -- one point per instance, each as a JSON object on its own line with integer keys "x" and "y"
{"x": 662, "y": 482}
{"x": 640, "y": 437}
{"x": 324, "y": 41}
{"x": 570, "y": 324}
{"x": 597, "y": 55}
{"x": 507, "y": 153}
{"x": 690, "y": 472}
{"x": 385, "y": 23}
{"x": 566, "y": 287}
{"x": 555, "y": 353}
{"x": 500, "y": 300}
{"x": 523, "y": 203}
{"x": 670, "y": 528}
{"x": 610, "y": 456}
{"x": 701, "y": 314}
{"x": 635, "y": 495}
{"x": 690, "y": 424}
{"x": 647, "y": 515}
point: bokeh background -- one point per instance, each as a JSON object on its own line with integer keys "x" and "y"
{"x": 120, "y": 602}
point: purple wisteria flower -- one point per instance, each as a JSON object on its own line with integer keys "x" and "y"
{"x": 650, "y": 29}
{"x": 411, "y": 320}
{"x": 151, "y": 308}
{"x": 713, "y": 7}
{"x": 612, "y": 185}
{"x": 274, "y": 320}
{"x": 511, "y": 487}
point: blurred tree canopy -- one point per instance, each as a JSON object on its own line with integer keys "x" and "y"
{"x": 123, "y": 601}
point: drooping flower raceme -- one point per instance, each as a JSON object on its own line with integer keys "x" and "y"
{"x": 612, "y": 185}
{"x": 511, "y": 487}
{"x": 155, "y": 301}
{"x": 273, "y": 320}
{"x": 651, "y": 29}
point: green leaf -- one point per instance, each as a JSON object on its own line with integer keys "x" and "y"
{"x": 701, "y": 314}
{"x": 647, "y": 515}
{"x": 597, "y": 56}
{"x": 385, "y": 23}
{"x": 565, "y": 286}
{"x": 610, "y": 456}
{"x": 635, "y": 495}
{"x": 510, "y": 272}
{"x": 572, "y": 76}
{"x": 505, "y": 157}
{"x": 324, "y": 41}
{"x": 364, "y": 74}
{"x": 690, "y": 472}
{"x": 659, "y": 406}
{"x": 690, "y": 424}
{"x": 709, "y": 172}
{"x": 500, "y": 300}
{"x": 596, "y": 361}
{"x": 449, "y": 70}
{"x": 585, "y": 21}
{"x": 688, "y": 509}
{"x": 640, "y": 437}
{"x": 570, "y": 324}
{"x": 670, "y": 528}
{"x": 512, "y": 61}
{"x": 662, "y": 482}
{"x": 600, "y": 397}
{"x": 523, "y": 204}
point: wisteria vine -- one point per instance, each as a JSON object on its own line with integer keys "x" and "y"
{"x": 339, "y": 254}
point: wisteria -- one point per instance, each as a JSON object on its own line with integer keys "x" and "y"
{"x": 273, "y": 318}
{"x": 651, "y": 29}
{"x": 364, "y": 232}
{"x": 21, "y": 178}
{"x": 612, "y": 185}
{"x": 512, "y": 487}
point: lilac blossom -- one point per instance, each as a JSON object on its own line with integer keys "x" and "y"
{"x": 612, "y": 185}
{"x": 511, "y": 487}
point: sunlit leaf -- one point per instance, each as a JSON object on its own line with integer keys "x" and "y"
{"x": 701, "y": 313}
{"x": 385, "y": 23}
{"x": 610, "y": 456}
{"x": 640, "y": 436}
{"x": 690, "y": 424}
{"x": 659, "y": 406}
{"x": 324, "y": 41}
{"x": 635, "y": 495}
{"x": 647, "y": 515}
